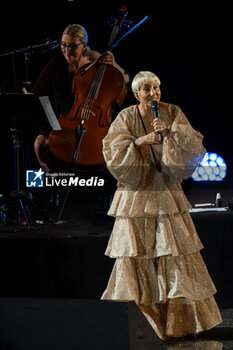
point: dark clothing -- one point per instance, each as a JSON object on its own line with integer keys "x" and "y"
{"x": 54, "y": 82}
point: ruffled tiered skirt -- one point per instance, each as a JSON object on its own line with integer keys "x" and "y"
{"x": 159, "y": 266}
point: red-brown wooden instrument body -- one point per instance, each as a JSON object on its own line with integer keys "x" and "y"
{"x": 93, "y": 108}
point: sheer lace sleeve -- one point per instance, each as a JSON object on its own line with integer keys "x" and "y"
{"x": 183, "y": 149}
{"x": 123, "y": 158}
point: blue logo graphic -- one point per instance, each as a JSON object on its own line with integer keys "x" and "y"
{"x": 35, "y": 178}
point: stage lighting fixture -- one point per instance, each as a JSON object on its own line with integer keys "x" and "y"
{"x": 212, "y": 168}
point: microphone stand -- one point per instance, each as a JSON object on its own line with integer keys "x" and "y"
{"x": 48, "y": 45}
{"x": 20, "y": 195}
{"x": 28, "y": 52}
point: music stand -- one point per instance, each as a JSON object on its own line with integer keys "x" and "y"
{"x": 23, "y": 111}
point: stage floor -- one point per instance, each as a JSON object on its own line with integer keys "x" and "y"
{"x": 83, "y": 231}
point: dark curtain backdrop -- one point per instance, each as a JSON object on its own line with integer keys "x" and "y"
{"x": 185, "y": 43}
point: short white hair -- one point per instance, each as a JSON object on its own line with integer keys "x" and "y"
{"x": 142, "y": 78}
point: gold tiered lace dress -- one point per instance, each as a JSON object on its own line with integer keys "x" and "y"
{"x": 157, "y": 250}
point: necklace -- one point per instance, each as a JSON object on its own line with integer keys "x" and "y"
{"x": 157, "y": 163}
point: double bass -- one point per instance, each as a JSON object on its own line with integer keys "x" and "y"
{"x": 98, "y": 88}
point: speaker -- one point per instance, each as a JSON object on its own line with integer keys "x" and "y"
{"x": 68, "y": 324}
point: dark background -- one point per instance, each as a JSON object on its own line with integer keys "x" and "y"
{"x": 185, "y": 43}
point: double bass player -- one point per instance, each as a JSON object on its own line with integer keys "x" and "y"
{"x": 56, "y": 81}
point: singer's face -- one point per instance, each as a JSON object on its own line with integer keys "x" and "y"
{"x": 72, "y": 48}
{"x": 148, "y": 92}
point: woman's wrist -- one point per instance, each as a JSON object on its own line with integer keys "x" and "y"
{"x": 138, "y": 142}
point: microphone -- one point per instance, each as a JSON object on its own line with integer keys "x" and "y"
{"x": 54, "y": 43}
{"x": 49, "y": 45}
{"x": 155, "y": 107}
